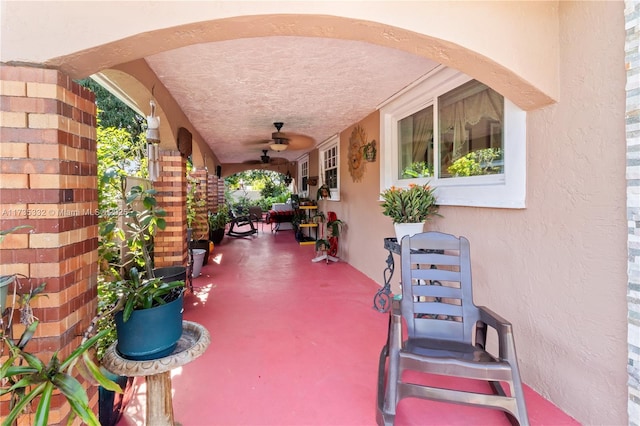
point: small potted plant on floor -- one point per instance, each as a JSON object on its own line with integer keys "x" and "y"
{"x": 197, "y": 221}
{"x": 217, "y": 223}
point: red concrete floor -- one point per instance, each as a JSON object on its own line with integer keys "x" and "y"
{"x": 295, "y": 343}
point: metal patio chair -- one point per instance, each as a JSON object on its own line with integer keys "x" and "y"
{"x": 446, "y": 334}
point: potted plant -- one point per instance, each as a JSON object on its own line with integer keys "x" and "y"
{"x": 409, "y": 208}
{"x": 26, "y": 378}
{"x": 197, "y": 222}
{"x": 217, "y": 223}
{"x": 334, "y": 226}
{"x": 323, "y": 192}
{"x": 369, "y": 151}
{"x": 329, "y": 245}
{"x": 148, "y": 312}
{"x": 148, "y": 316}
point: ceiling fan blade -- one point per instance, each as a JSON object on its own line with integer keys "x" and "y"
{"x": 298, "y": 141}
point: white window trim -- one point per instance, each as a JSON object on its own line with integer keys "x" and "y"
{"x": 506, "y": 190}
{"x": 302, "y": 160}
{"x": 322, "y": 147}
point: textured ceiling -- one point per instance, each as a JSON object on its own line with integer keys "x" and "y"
{"x": 233, "y": 91}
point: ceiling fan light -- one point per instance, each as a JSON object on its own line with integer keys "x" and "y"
{"x": 278, "y": 146}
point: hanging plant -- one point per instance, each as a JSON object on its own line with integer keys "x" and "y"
{"x": 369, "y": 151}
{"x": 324, "y": 192}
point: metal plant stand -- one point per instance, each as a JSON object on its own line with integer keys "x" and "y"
{"x": 382, "y": 299}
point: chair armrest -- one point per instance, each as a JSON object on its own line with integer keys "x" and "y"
{"x": 506, "y": 344}
{"x": 493, "y": 320}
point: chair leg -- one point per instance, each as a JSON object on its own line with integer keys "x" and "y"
{"x": 394, "y": 344}
{"x": 382, "y": 418}
{"x": 521, "y": 416}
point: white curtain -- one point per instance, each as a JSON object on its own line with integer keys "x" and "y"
{"x": 470, "y": 110}
{"x": 422, "y": 134}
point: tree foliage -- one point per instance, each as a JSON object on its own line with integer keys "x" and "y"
{"x": 112, "y": 112}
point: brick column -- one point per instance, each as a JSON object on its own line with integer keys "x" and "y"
{"x": 221, "y": 199}
{"x": 170, "y": 245}
{"x": 48, "y": 181}
{"x": 212, "y": 193}
{"x": 215, "y": 192}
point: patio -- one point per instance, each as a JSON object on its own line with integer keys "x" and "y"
{"x": 295, "y": 343}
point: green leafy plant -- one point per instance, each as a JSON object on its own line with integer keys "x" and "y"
{"x": 323, "y": 192}
{"x": 127, "y": 280}
{"x": 481, "y": 162}
{"x": 419, "y": 169}
{"x": 334, "y": 227}
{"x": 28, "y": 378}
{"x": 136, "y": 293}
{"x": 219, "y": 219}
{"x": 369, "y": 151}
{"x": 142, "y": 219}
{"x": 414, "y": 204}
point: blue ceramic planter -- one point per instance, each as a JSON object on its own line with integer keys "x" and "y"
{"x": 150, "y": 333}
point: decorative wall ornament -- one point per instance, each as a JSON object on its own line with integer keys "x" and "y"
{"x": 356, "y": 161}
{"x": 369, "y": 151}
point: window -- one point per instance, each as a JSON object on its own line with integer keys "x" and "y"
{"x": 461, "y": 136}
{"x": 303, "y": 176}
{"x": 470, "y": 131}
{"x": 329, "y": 165}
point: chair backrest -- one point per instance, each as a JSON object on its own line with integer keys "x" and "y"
{"x": 255, "y": 211}
{"x": 437, "y": 299}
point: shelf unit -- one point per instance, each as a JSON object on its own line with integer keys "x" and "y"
{"x": 309, "y": 212}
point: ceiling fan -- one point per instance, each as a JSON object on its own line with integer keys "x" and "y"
{"x": 266, "y": 159}
{"x": 281, "y": 141}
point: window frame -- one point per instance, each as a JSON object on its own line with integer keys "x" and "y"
{"x": 332, "y": 142}
{"x": 302, "y": 162}
{"x": 506, "y": 190}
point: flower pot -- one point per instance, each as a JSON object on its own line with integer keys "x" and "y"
{"x": 204, "y": 245}
{"x": 5, "y": 280}
{"x": 111, "y": 404}
{"x": 216, "y": 235}
{"x": 198, "y": 261}
{"x": 150, "y": 333}
{"x": 171, "y": 273}
{"x": 410, "y": 229}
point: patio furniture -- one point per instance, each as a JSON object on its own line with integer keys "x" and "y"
{"x": 280, "y": 217}
{"x": 446, "y": 334}
{"x": 240, "y": 220}
{"x": 256, "y": 215}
